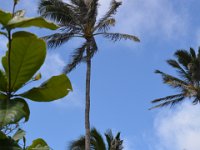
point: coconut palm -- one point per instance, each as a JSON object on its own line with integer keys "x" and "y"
{"x": 187, "y": 65}
{"x": 78, "y": 18}
{"x": 97, "y": 142}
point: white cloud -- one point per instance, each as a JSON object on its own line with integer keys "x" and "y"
{"x": 178, "y": 129}
{"x": 149, "y": 17}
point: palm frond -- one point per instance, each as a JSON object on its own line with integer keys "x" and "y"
{"x": 77, "y": 144}
{"x": 118, "y": 36}
{"x": 81, "y": 10}
{"x": 97, "y": 141}
{"x": 183, "y": 57}
{"x": 169, "y": 102}
{"x": 171, "y": 97}
{"x": 112, "y": 10}
{"x": 57, "y": 39}
{"x": 109, "y": 138}
{"x": 193, "y": 53}
{"x": 79, "y": 3}
{"x": 58, "y": 11}
{"x": 198, "y": 55}
{"x": 172, "y": 81}
{"x": 105, "y": 25}
{"x": 92, "y": 12}
{"x": 180, "y": 70}
{"x": 76, "y": 58}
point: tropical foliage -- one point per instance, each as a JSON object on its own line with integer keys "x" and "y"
{"x": 26, "y": 54}
{"x": 79, "y": 19}
{"x": 97, "y": 142}
{"x": 13, "y": 143}
{"x": 187, "y": 81}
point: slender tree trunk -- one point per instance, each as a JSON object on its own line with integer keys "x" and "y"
{"x": 87, "y": 104}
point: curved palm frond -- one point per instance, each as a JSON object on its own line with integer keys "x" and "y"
{"x": 97, "y": 141}
{"x": 105, "y": 25}
{"x": 180, "y": 70}
{"x": 112, "y": 10}
{"x": 77, "y": 144}
{"x": 172, "y": 81}
{"x": 109, "y": 138}
{"x": 168, "y": 102}
{"x": 58, "y": 11}
{"x": 117, "y": 144}
{"x": 183, "y": 57}
{"x": 92, "y": 12}
{"x": 57, "y": 39}
{"x": 119, "y": 36}
{"x": 192, "y": 53}
{"x": 76, "y": 58}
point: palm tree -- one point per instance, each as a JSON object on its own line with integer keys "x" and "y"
{"x": 78, "y": 18}
{"x": 187, "y": 65}
{"x": 97, "y": 142}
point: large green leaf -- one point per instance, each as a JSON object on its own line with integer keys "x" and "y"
{"x": 39, "y": 144}
{"x": 5, "y": 17}
{"x": 3, "y": 81}
{"x": 21, "y": 22}
{"x": 53, "y": 89}
{"x": 7, "y": 143}
{"x": 27, "y": 55}
{"x": 12, "y": 111}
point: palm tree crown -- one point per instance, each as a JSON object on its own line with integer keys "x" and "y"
{"x": 97, "y": 142}
{"x": 79, "y": 19}
{"x": 187, "y": 65}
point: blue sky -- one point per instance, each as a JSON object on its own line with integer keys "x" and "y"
{"x": 123, "y": 80}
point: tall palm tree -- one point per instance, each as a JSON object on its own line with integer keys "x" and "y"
{"x": 78, "y": 18}
{"x": 97, "y": 142}
{"x": 187, "y": 65}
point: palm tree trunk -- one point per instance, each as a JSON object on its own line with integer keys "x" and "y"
{"x": 87, "y": 104}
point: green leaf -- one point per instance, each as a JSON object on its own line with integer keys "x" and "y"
{"x": 5, "y": 17}
{"x": 3, "y": 81}
{"x": 19, "y": 135}
{"x": 12, "y": 111}
{"x": 39, "y": 144}
{"x": 27, "y": 55}
{"x": 7, "y": 143}
{"x": 53, "y": 89}
{"x": 21, "y": 22}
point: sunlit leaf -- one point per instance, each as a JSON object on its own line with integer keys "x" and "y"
{"x": 21, "y": 22}
{"x": 5, "y": 17}
{"x": 27, "y": 55}
{"x": 55, "y": 88}
{"x": 39, "y": 144}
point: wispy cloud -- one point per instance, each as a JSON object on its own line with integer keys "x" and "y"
{"x": 151, "y": 17}
{"x": 178, "y": 129}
